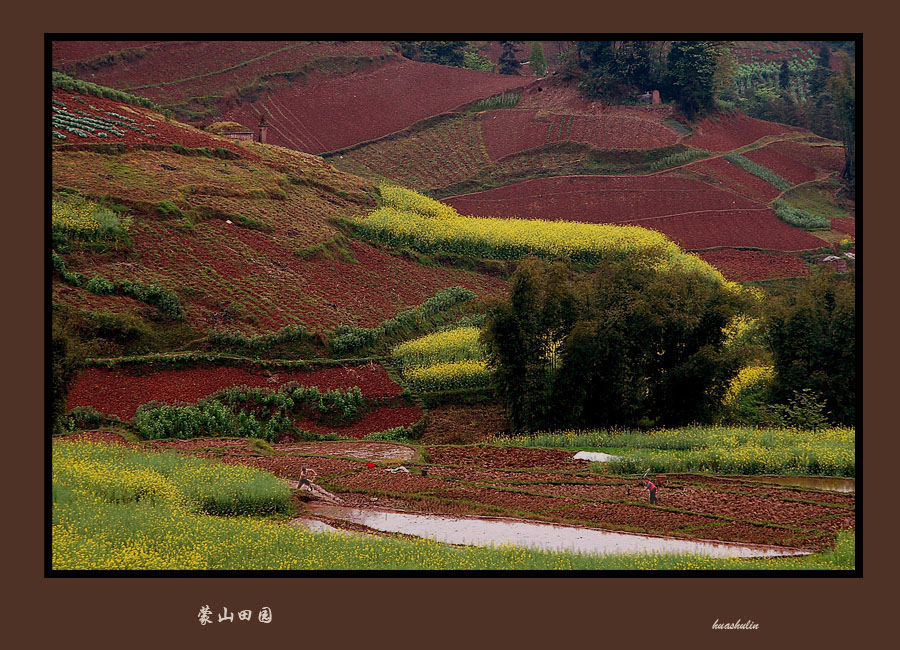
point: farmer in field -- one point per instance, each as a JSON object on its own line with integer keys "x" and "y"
{"x": 306, "y": 481}
{"x": 650, "y": 486}
{"x": 306, "y": 478}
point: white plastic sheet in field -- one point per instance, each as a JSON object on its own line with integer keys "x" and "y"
{"x": 597, "y": 456}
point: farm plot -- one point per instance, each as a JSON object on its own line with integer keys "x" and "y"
{"x": 382, "y": 418}
{"x": 84, "y": 119}
{"x": 732, "y": 131}
{"x": 330, "y": 113}
{"x": 599, "y": 199}
{"x": 846, "y": 225}
{"x": 758, "y": 228}
{"x": 736, "y": 179}
{"x": 173, "y": 71}
{"x": 512, "y": 130}
{"x": 746, "y": 265}
{"x": 119, "y": 392}
{"x": 447, "y": 152}
{"x": 787, "y": 161}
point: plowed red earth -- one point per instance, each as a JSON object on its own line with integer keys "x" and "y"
{"x": 744, "y": 265}
{"x": 736, "y": 179}
{"x": 119, "y": 392}
{"x": 548, "y": 485}
{"x": 511, "y": 130}
{"x": 380, "y": 419}
{"x": 329, "y": 113}
{"x": 845, "y": 225}
{"x": 752, "y": 228}
{"x": 782, "y": 163}
{"x": 599, "y": 199}
{"x": 724, "y": 133}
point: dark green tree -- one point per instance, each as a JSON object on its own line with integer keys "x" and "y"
{"x": 508, "y": 62}
{"x": 812, "y": 336}
{"x": 824, "y": 57}
{"x": 440, "y": 52}
{"x": 692, "y": 75}
{"x": 784, "y": 75}
{"x": 842, "y": 89}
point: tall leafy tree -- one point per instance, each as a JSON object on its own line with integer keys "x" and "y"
{"x": 843, "y": 92}
{"x": 537, "y": 60}
{"x": 784, "y": 75}
{"x": 812, "y": 336}
{"x": 508, "y": 62}
{"x": 692, "y": 77}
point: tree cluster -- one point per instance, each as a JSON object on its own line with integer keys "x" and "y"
{"x": 812, "y": 338}
{"x": 623, "y": 346}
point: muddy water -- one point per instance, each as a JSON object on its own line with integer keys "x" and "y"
{"x": 815, "y": 482}
{"x": 378, "y": 451}
{"x": 486, "y": 532}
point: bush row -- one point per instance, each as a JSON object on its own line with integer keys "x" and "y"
{"x": 65, "y": 82}
{"x": 235, "y": 339}
{"x": 799, "y": 218}
{"x": 167, "y": 302}
{"x": 346, "y": 339}
{"x": 247, "y": 412}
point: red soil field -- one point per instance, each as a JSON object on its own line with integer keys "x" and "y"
{"x": 736, "y": 179}
{"x": 725, "y": 133}
{"x": 744, "y": 265}
{"x": 846, "y": 225}
{"x": 379, "y": 419}
{"x": 329, "y": 113}
{"x": 599, "y": 199}
{"x": 279, "y": 288}
{"x": 821, "y": 157}
{"x": 511, "y": 130}
{"x": 71, "y": 51}
{"x": 119, "y": 392}
{"x": 157, "y": 131}
{"x": 218, "y": 66}
{"x": 62, "y": 294}
{"x": 732, "y": 228}
{"x": 782, "y": 163}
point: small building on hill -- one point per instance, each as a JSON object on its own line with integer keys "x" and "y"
{"x": 232, "y": 130}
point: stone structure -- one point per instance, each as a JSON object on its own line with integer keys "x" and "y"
{"x": 263, "y": 128}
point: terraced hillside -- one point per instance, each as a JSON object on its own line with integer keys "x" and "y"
{"x": 243, "y": 235}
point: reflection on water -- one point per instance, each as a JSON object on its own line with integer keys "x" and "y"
{"x": 815, "y": 482}
{"x": 485, "y": 532}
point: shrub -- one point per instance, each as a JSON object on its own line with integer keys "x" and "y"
{"x": 799, "y": 218}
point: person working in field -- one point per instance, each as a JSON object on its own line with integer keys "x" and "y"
{"x": 650, "y": 486}
{"x": 306, "y": 479}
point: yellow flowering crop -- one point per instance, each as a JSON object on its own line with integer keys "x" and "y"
{"x": 449, "y": 375}
{"x": 458, "y": 344}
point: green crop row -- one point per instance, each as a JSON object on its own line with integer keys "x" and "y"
{"x": 758, "y": 170}
{"x": 800, "y": 218}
